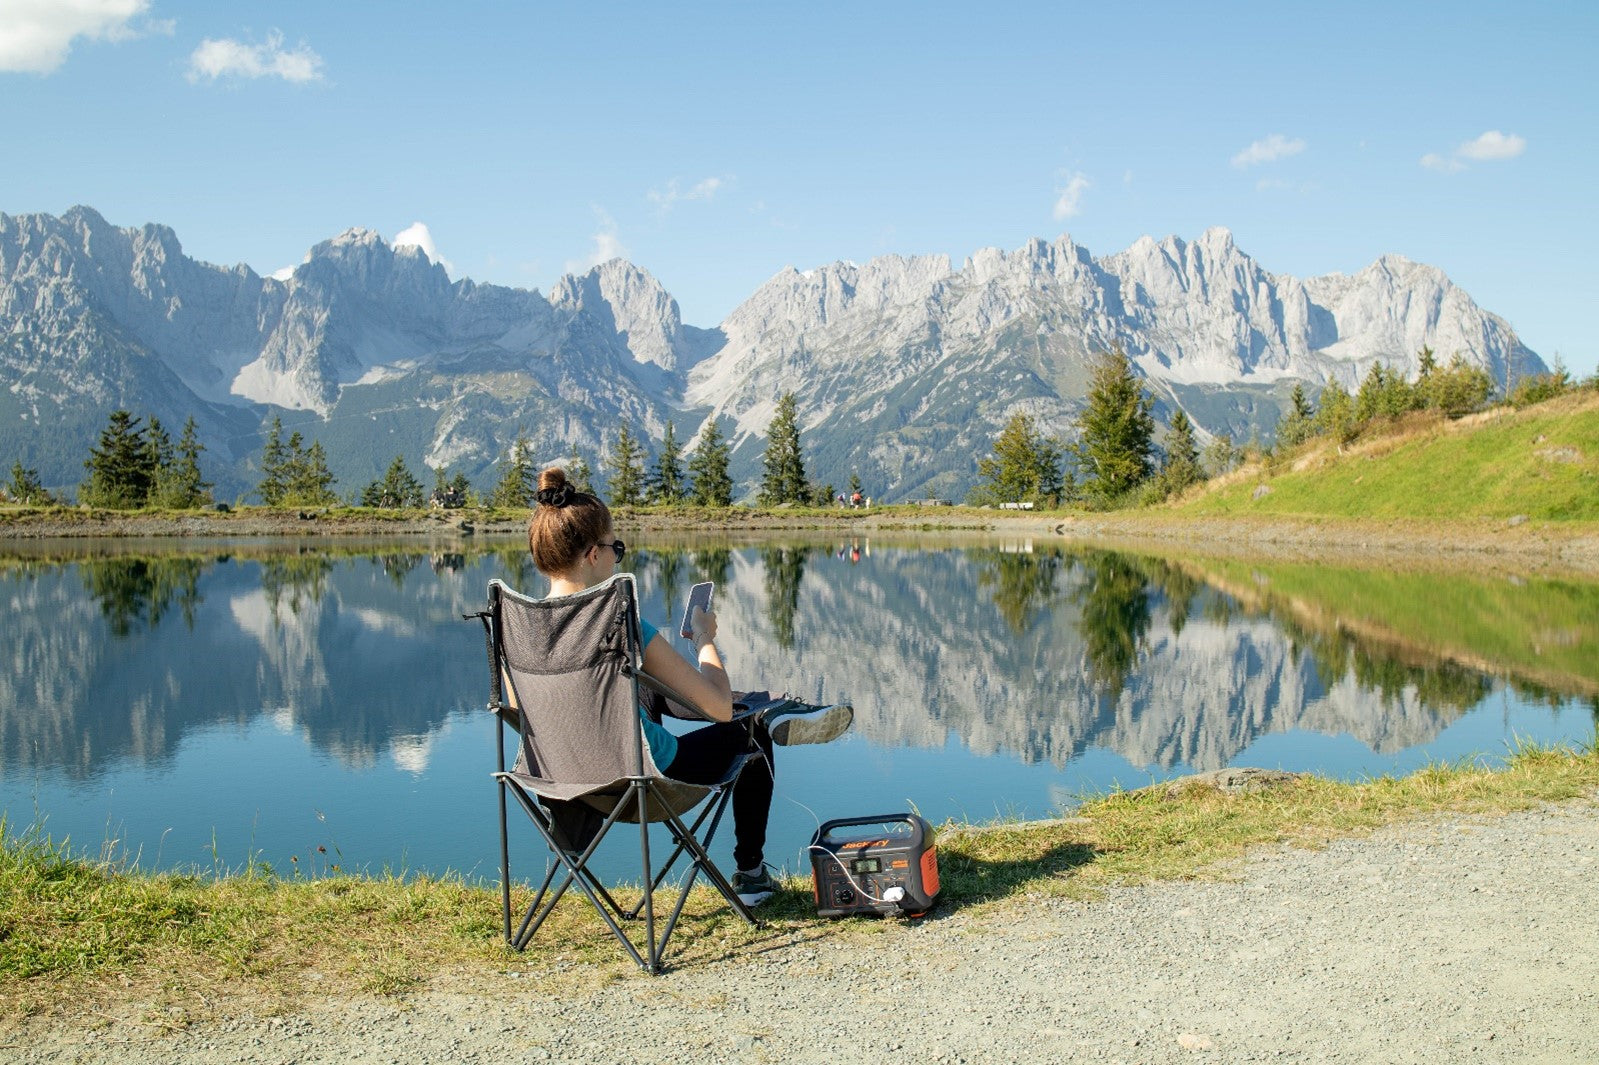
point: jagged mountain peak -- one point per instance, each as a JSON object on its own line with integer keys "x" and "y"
{"x": 904, "y": 367}
{"x": 636, "y": 307}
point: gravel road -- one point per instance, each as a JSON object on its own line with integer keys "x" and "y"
{"x": 1455, "y": 939}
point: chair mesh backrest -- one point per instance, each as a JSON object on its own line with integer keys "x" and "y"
{"x": 568, "y": 662}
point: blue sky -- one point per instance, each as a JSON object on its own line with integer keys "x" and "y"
{"x": 714, "y": 144}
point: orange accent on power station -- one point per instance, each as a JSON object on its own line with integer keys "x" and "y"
{"x": 930, "y": 871}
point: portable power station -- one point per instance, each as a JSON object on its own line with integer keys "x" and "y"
{"x": 885, "y": 864}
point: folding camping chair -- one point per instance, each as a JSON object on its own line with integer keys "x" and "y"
{"x": 567, "y": 679}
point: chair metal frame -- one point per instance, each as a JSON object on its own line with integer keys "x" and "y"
{"x": 644, "y": 795}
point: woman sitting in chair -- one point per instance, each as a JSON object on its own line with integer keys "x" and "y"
{"x": 574, "y": 545}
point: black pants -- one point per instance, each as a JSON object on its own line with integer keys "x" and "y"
{"x": 703, "y": 757}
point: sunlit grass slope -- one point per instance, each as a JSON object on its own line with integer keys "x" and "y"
{"x": 1541, "y": 462}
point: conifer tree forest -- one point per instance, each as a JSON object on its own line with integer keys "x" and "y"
{"x": 1114, "y": 456}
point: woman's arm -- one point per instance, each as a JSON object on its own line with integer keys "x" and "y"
{"x": 707, "y": 687}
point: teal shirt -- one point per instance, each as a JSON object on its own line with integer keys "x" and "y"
{"x": 663, "y": 745}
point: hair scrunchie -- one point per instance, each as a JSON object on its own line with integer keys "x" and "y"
{"x": 555, "y": 497}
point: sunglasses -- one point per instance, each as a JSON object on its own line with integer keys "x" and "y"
{"x": 616, "y": 545}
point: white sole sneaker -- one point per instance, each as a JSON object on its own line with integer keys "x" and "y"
{"x": 820, "y": 726}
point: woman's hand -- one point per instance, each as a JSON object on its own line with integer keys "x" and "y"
{"x": 702, "y": 624}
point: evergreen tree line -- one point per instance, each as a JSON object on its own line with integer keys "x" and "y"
{"x": 134, "y": 465}
{"x": 632, "y": 478}
{"x": 1115, "y": 460}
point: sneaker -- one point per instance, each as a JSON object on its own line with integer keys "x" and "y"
{"x": 792, "y": 723}
{"x": 753, "y": 889}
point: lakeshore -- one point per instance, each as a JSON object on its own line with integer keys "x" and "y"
{"x": 1537, "y": 545}
{"x": 1165, "y": 925}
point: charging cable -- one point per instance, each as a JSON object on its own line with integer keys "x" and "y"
{"x": 893, "y": 894}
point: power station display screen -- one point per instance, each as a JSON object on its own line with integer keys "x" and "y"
{"x": 866, "y": 865}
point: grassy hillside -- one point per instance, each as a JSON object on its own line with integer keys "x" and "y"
{"x": 1541, "y": 462}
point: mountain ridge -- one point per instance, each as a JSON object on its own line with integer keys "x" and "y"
{"x": 904, "y": 366}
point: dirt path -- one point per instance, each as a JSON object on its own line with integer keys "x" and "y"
{"x": 1456, "y": 939}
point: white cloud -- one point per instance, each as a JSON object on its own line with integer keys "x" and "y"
{"x": 1069, "y": 202}
{"x": 225, "y": 57}
{"x": 1270, "y": 150}
{"x": 418, "y": 235}
{"x": 606, "y": 246}
{"x": 36, "y": 35}
{"x": 666, "y": 198}
{"x": 1493, "y": 145}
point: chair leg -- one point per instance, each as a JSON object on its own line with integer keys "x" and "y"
{"x": 505, "y": 862}
{"x": 576, "y": 872}
{"x": 641, "y": 797}
{"x": 713, "y": 810}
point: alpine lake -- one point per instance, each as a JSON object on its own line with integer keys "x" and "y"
{"x": 316, "y": 707}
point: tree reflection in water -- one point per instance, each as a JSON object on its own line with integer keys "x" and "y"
{"x": 1180, "y": 589}
{"x": 132, "y": 591}
{"x": 714, "y": 564}
{"x": 294, "y": 581}
{"x": 1022, "y": 582}
{"x": 783, "y": 569}
{"x": 397, "y": 566}
{"x": 1113, "y": 617}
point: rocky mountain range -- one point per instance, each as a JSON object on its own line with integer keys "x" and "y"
{"x": 904, "y": 368}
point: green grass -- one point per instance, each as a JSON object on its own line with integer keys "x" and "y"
{"x": 1541, "y": 462}
{"x": 71, "y": 928}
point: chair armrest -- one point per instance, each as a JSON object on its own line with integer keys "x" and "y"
{"x": 676, "y": 701}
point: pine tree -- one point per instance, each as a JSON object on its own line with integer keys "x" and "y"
{"x": 854, "y": 484}
{"x": 1025, "y": 467}
{"x": 1458, "y": 390}
{"x": 312, "y": 483}
{"x": 1116, "y": 430}
{"x": 274, "y": 466}
{"x": 1383, "y": 394}
{"x": 667, "y": 486}
{"x": 712, "y": 486}
{"x": 397, "y": 488}
{"x": 626, "y": 464}
{"x": 121, "y": 475}
{"x": 1221, "y": 454}
{"x": 26, "y": 488}
{"x": 784, "y": 480}
{"x": 179, "y": 484}
{"x": 578, "y": 474}
{"x": 517, "y": 486}
{"x": 1427, "y": 363}
{"x": 1336, "y": 418}
{"x": 157, "y": 450}
{"x": 1298, "y": 424}
{"x": 1181, "y": 468}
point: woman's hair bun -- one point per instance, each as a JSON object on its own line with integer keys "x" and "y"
{"x": 554, "y": 491}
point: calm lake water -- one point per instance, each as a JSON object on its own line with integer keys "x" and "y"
{"x": 319, "y": 704}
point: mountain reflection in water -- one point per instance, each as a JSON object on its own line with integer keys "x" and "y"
{"x": 1006, "y": 652}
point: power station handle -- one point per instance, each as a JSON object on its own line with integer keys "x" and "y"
{"x": 880, "y": 819}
